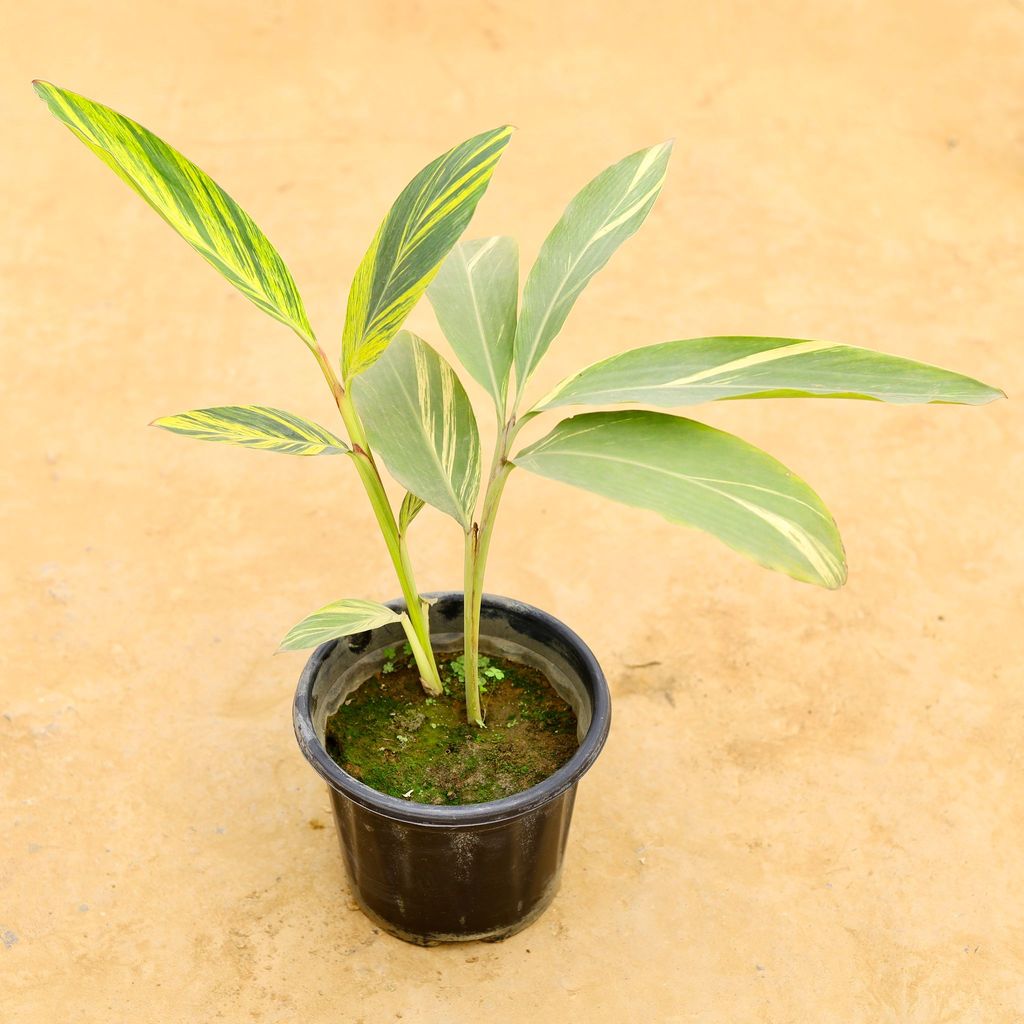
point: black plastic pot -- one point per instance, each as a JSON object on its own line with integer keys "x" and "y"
{"x": 432, "y": 874}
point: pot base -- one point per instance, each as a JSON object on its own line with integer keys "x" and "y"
{"x": 445, "y": 938}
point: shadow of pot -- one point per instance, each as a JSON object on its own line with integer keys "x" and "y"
{"x": 431, "y": 874}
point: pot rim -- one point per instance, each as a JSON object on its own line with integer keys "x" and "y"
{"x": 494, "y": 811}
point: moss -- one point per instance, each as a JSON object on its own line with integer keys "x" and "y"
{"x": 391, "y": 737}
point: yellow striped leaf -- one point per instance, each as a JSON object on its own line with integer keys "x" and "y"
{"x": 411, "y": 508}
{"x": 695, "y": 475}
{"x": 187, "y": 199}
{"x": 419, "y": 420}
{"x": 597, "y": 221}
{"x": 411, "y": 242}
{"x": 475, "y": 295}
{"x": 341, "y": 618}
{"x": 713, "y": 369}
{"x": 255, "y": 426}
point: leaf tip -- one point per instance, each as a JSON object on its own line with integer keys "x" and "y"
{"x": 501, "y": 136}
{"x": 830, "y": 581}
{"x": 287, "y": 645}
{"x": 842, "y": 575}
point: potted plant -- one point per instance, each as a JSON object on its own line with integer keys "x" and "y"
{"x": 473, "y": 846}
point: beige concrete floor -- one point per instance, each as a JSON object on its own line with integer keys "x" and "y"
{"x": 810, "y": 806}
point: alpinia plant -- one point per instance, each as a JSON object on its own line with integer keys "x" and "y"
{"x": 401, "y": 401}
{"x": 416, "y": 235}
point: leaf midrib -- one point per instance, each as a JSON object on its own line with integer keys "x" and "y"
{"x": 705, "y": 482}
{"x": 495, "y": 387}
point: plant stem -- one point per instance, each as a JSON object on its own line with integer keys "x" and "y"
{"x": 423, "y": 655}
{"x": 478, "y": 543}
{"x": 421, "y": 624}
{"x": 416, "y": 608}
{"x": 471, "y": 627}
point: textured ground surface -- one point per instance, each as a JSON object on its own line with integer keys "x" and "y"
{"x": 810, "y": 806}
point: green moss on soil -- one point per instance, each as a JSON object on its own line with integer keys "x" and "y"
{"x": 393, "y": 737}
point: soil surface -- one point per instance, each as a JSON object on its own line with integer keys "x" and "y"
{"x": 393, "y": 737}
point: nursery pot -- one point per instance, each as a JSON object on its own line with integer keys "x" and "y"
{"x": 430, "y": 874}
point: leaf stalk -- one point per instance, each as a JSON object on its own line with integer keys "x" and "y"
{"x": 416, "y": 609}
{"x": 478, "y": 543}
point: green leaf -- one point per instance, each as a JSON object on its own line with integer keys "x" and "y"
{"x": 190, "y": 201}
{"x": 411, "y": 506}
{"x": 712, "y": 369}
{"x": 255, "y": 426}
{"x": 419, "y": 420}
{"x": 474, "y": 296}
{"x": 692, "y": 474}
{"x": 597, "y": 221}
{"x": 416, "y": 235}
{"x": 342, "y": 618}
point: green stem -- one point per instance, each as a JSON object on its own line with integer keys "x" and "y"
{"x": 478, "y": 544}
{"x": 471, "y": 627}
{"x": 423, "y": 655}
{"x": 416, "y": 608}
{"x": 420, "y": 618}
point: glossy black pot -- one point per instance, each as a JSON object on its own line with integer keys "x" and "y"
{"x": 478, "y": 871}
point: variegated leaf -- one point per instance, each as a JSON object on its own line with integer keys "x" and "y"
{"x": 189, "y": 200}
{"x": 474, "y": 296}
{"x": 419, "y": 420}
{"x": 692, "y": 474}
{"x": 342, "y": 618}
{"x": 597, "y": 221}
{"x": 411, "y": 508}
{"x": 255, "y": 426}
{"x": 712, "y": 369}
{"x": 411, "y": 242}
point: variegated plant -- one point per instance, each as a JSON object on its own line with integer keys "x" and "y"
{"x": 405, "y": 254}
{"x": 399, "y": 399}
{"x": 686, "y": 471}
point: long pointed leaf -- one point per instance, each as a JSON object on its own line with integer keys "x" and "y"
{"x": 411, "y": 242}
{"x": 189, "y": 200}
{"x": 419, "y": 420}
{"x": 597, "y": 221}
{"x": 341, "y": 618}
{"x": 255, "y": 426}
{"x": 474, "y": 296}
{"x": 692, "y": 474}
{"x": 712, "y": 369}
